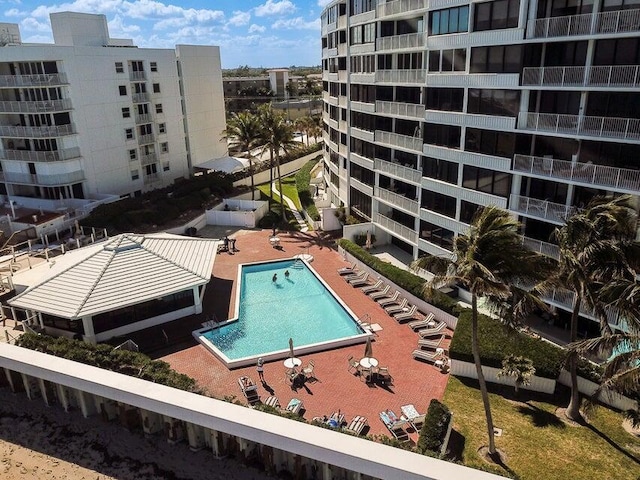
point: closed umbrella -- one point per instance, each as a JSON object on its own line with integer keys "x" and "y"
{"x": 291, "y": 355}
{"x": 367, "y": 244}
{"x": 368, "y": 349}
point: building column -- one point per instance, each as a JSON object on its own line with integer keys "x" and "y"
{"x": 195, "y": 436}
{"x": 197, "y": 301}
{"x": 63, "y": 395}
{"x": 89, "y": 333}
{"x": 87, "y": 404}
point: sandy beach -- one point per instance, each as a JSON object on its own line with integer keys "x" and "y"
{"x": 40, "y": 442}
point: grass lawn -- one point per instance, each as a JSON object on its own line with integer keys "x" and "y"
{"x": 274, "y": 211}
{"x": 536, "y": 443}
{"x": 289, "y": 189}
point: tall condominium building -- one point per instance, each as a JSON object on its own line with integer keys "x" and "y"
{"x": 90, "y": 115}
{"x": 435, "y": 107}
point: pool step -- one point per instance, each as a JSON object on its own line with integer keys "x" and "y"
{"x": 298, "y": 265}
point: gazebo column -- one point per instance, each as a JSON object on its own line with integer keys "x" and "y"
{"x": 197, "y": 301}
{"x": 195, "y": 436}
{"x": 151, "y": 422}
{"x": 89, "y": 334}
{"x": 87, "y": 403}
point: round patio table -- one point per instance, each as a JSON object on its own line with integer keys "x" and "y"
{"x": 368, "y": 362}
{"x": 292, "y": 362}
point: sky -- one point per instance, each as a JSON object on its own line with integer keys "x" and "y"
{"x": 258, "y": 33}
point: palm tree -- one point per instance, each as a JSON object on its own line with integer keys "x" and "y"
{"x": 520, "y": 368}
{"x": 488, "y": 260}
{"x": 242, "y": 134}
{"x": 592, "y": 245}
{"x": 276, "y": 136}
{"x": 304, "y": 125}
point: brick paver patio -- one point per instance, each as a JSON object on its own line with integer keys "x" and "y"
{"x": 414, "y": 382}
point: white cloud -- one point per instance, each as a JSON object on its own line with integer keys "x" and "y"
{"x": 14, "y": 12}
{"x": 324, "y": 3}
{"x": 256, "y": 28}
{"x": 32, "y": 25}
{"x": 297, "y": 23}
{"x": 240, "y": 18}
{"x": 118, "y": 28}
{"x": 272, "y": 7}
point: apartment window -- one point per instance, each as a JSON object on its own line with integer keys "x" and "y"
{"x": 449, "y": 20}
{"x": 153, "y": 66}
{"x": 409, "y": 61}
{"x": 448, "y": 60}
{"x": 356, "y": 35}
{"x": 165, "y": 167}
{"x": 496, "y": 59}
{"x": 363, "y": 93}
{"x": 343, "y": 89}
{"x": 613, "y": 5}
{"x": 360, "y": 202}
{"x": 158, "y": 108}
{"x": 385, "y": 62}
{"x": 133, "y": 154}
{"x": 440, "y": 170}
{"x": 620, "y": 51}
{"x": 151, "y": 169}
{"x": 126, "y": 112}
{"x": 362, "y": 174}
{"x": 436, "y": 235}
{"x": 614, "y": 104}
{"x": 494, "y": 102}
{"x": 490, "y": 142}
{"x": 128, "y": 133}
{"x": 564, "y": 54}
{"x": 122, "y": 89}
{"x": 135, "y": 175}
{"x": 561, "y": 8}
{"x": 443, "y": 135}
{"x": 361, "y": 6}
{"x": 156, "y": 88}
{"x": 369, "y": 33}
{"x": 467, "y": 211}
{"x": 436, "y": 202}
{"x": 448, "y": 99}
{"x": 145, "y": 129}
{"x": 119, "y": 67}
{"x": 363, "y": 64}
{"x": 496, "y": 15}
{"x": 164, "y": 147}
{"x": 487, "y": 181}
{"x": 162, "y": 128}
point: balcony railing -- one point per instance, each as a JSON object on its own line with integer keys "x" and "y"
{"x": 151, "y": 178}
{"x": 137, "y": 76}
{"x": 399, "y": 229}
{"x": 31, "y": 156}
{"x": 613, "y": 127}
{"x": 37, "y": 132}
{"x": 35, "y": 107}
{"x": 397, "y": 170}
{"x": 534, "y": 207}
{"x": 599, "y": 76}
{"x": 397, "y": 200}
{"x": 144, "y": 139}
{"x": 412, "y": 110}
{"x": 586, "y": 24}
{"x": 143, "y": 118}
{"x": 43, "y": 179}
{"x": 401, "y": 6}
{"x": 401, "y": 76}
{"x": 409, "y": 40}
{"x": 545, "y": 248}
{"x": 33, "y": 80}
{"x": 600, "y": 175}
{"x": 140, "y": 97}
{"x": 565, "y": 299}
{"x": 397, "y": 140}
{"x": 148, "y": 159}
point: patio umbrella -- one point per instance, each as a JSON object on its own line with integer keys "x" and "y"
{"x": 291, "y": 355}
{"x": 367, "y": 244}
{"x": 368, "y": 349}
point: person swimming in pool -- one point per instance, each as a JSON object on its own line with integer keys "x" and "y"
{"x": 286, "y": 273}
{"x": 275, "y": 277}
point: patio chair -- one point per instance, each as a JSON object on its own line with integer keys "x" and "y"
{"x": 384, "y": 376}
{"x": 353, "y": 365}
{"x": 426, "y": 343}
{"x": 439, "y": 329}
{"x": 402, "y": 316}
{"x": 308, "y": 370}
{"x": 375, "y": 287}
{"x": 422, "y": 323}
{"x": 347, "y": 270}
{"x": 249, "y": 389}
{"x": 417, "y": 422}
{"x": 357, "y": 425}
{"x": 394, "y": 425}
{"x": 386, "y": 301}
{"x": 272, "y": 401}
{"x": 359, "y": 282}
{"x": 354, "y": 276}
{"x": 397, "y": 308}
{"x": 380, "y": 293}
{"x": 295, "y": 406}
{"x": 429, "y": 357}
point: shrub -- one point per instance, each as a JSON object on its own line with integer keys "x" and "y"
{"x": 496, "y": 341}
{"x": 434, "y": 428}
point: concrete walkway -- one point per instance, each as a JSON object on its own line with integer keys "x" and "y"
{"x": 292, "y": 206}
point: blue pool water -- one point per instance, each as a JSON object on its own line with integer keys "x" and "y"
{"x": 299, "y": 307}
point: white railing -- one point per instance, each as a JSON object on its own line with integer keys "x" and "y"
{"x": 35, "y": 107}
{"x": 397, "y": 170}
{"x": 151, "y": 178}
{"x": 33, "y": 80}
{"x": 143, "y": 118}
{"x": 397, "y": 140}
{"x": 534, "y": 207}
{"x": 148, "y": 159}
{"x": 405, "y": 232}
{"x": 144, "y": 139}
{"x": 545, "y": 248}
{"x": 409, "y": 40}
{"x": 37, "y": 132}
{"x": 401, "y": 6}
{"x": 397, "y": 200}
{"x": 412, "y": 110}
{"x": 598, "y": 76}
{"x": 585, "y": 24}
{"x": 140, "y": 97}
{"x": 31, "y": 156}
{"x": 622, "y": 178}
{"x": 44, "y": 179}
{"x": 564, "y": 298}
{"x": 581, "y": 125}
{"x": 137, "y": 75}
{"x": 401, "y": 76}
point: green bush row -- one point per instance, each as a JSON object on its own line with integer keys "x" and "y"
{"x": 496, "y": 341}
{"x": 408, "y": 281}
{"x": 434, "y": 428}
{"x": 303, "y": 179}
{"x": 134, "y": 364}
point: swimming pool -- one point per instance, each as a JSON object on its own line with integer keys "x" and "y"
{"x": 268, "y": 313}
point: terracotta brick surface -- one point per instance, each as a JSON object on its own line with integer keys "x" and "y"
{"x": 414, "y": 382}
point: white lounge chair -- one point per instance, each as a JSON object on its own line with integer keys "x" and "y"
{"x": 295, "y": 406}
{"x": 380, "y": 293}
{"x": 430, "y": 357}
{"x": 359, "y": 282}
{"x": 432, "y": 332}
{"x": 354, "y": 276}
{"x": 397, "y": 308}
{"x": 386, "y": 301}
{"x": 347, "y": 270}
{"x": 406, "y": 315}
{"x": 272, "y": 401}
{"x": 422, "y": 323}
{"x": 357, "y": 425}
{"x": 433, "y": 344}
{"x": 373, "y": 287}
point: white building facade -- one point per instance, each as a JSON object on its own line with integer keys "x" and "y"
{"x": 432, "y": 109}
{"x": 90, "y": 115}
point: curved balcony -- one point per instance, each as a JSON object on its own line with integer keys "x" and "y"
{"x": 37, "y": 132}
{"x": 533, "y": 207}
{"x": 545, "y": 248}
{"x": 586, "y": 173}
{"x": 140, "y": 97}
{"x": 401, "y": 76}
{"x": 404, "y": 232}
{"x": 399, "y": 171}
{"x": 396, "y": 42}
{"x": 145, "y": 139}
{"x": 37, "y": 80}
{"x": 149, "y": 159}
{"x": 400, "y": 6}
{"x": 622, "y": 76}
{"x": 47, "y": 180}
{"x": 411, "y": 110}
{"x": 396, "y": 140}
{"x": 618, "y": 21}
{"x": 35, "y": 107}
{"x": 399, "y": 201}
{"x": 143, "y": 118}
{"x": 33, "y": 156}
{"x": 614, "y": 127}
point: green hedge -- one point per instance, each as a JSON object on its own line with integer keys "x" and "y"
{"x": 303, "y": 179}
{"x": 404, "y": 279}
{"x": 434, "y": 428}
{"x": 104, "y": 356}
{"x": 498, "y": 340}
